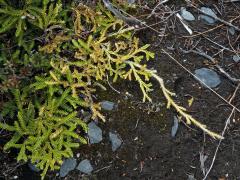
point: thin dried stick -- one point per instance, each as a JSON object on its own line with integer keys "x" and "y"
{"x": 219, "y": 143}
{"x": 117, "y": 13}
{"x": 184, "y": 24}
{"x": 223, "y": 133}
{"x": 223, "y": 47}
{"x": 155, "y": 8}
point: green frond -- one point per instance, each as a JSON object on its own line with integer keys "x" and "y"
{"x": 8, "y": 24}
{"x": 13, "y": 142}
{"x": 7, "y": 127}
{"x": 22, "y": 121}
{"x": 18, "y": 100}
{"x": 22, "y": 154}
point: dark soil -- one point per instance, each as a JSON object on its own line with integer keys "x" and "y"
{"x": 148, "y": 150}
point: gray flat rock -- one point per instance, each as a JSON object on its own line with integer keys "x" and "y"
{"x": 236, "y": 58}
{"x": 115, "y": 140}
{"x": 85, "y": 166}
{"x": 107, "y": 105}
{"x": 206, "y": 18}
{"x": 67, "y": 166}
{"x": 94, "y": 133}
{"x": 208, "y": 76}
{"x": 186, "y": 15}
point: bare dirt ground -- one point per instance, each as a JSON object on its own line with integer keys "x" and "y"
{"x": 148, "y": 150}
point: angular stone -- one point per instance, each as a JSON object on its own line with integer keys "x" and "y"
{"x": 208, "y": 76}
{"x": 67, "y": 166}
{"x": 231, "y": 30}
{"x": 115, "y": 140}
{"x": 236, "y": 58}
{"x": 206, "y": 18}
{"x": 191, "y": 177}
{"x": 85, "y": 167}
{"x": 94, "y": 133}
{"x": 33, "y": 167}
{"x": 187, "y": 15}
{"x": 131, "y": 1}
{"x": 107, "y": 105}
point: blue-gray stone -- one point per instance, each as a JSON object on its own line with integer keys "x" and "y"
{"x": 236, "y": 58}
{"x": 107, "y": 105}
{"x": 67, "y": 166}
{"x": 208, "y": 19}
{"x": 33, "y": 167}
{"x": 94, "y": 133}
{"x": 208, "y": 77}
{"x": 231, "y": 30}
{"x": 174, "y": 127}
{"x": 187, "y": 15}
{"x": 191, "y": 177}
{"x": 85, "y": 166}
{"x": 131, "y": 1}
{"x": 115, "y": 141}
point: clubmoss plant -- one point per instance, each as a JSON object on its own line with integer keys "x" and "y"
{"x": 45, "y": 124}
{"x": 45, "y": 132}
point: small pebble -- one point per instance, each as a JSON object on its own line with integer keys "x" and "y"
{"x": 236, "y": 58}
{"x": 131, "y": 1}
{"x": 115, "y": 141}
{"x": 107, "y": 105}
{"x": 206, "y": 18}
{"x": 94, "y": 133}
{"x": 33, "y": 167}
{"x": 85, "y": 167}
{"x": 67, "y": 166}
{"x": 231, "y": 30}
{"x": 174, "y": 127}
{"x": 191, "y": 177}
{"x": 187, "y": 15}
{"x": 208, "y": 76}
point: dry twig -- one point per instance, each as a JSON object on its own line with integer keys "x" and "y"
{"x": 155, "y": 8}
